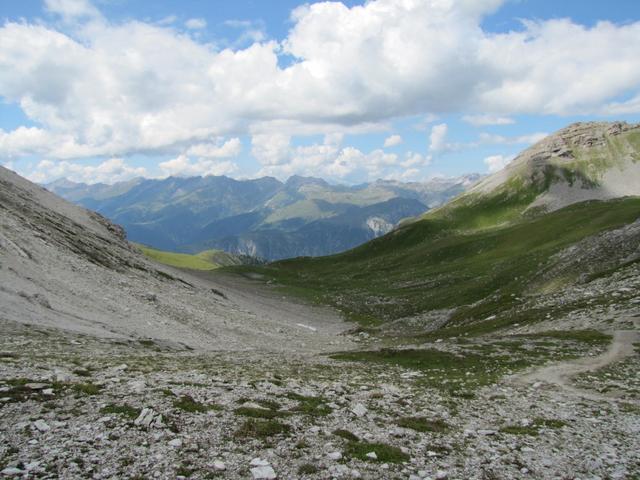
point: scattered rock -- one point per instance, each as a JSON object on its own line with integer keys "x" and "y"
{"x": 265, "y": 472}
{"x": 41, "y": 426}
{"x": 359, "y": 410}
{"x": 334, "y": 456}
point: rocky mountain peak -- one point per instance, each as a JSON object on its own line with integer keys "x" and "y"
{"x": 583, "y": 161}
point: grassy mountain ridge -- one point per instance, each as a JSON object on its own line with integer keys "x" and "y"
{"x": 205, "y": 260}
{"x": 431, "y": 265}
{"x": 481, "y": 261}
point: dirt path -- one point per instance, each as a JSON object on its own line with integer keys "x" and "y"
{"x": 560, "y": 374}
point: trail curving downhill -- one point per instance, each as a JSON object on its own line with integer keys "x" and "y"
{"x": 561, "y": 373}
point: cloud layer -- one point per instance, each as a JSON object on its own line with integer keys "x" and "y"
{"x": 95, "y": 88}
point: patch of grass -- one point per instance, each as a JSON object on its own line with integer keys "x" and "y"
{"x": 346, "y": 434}
{"x": 82, "y": 372}
{"x": 467, "y": 370}
{"x": 385, "y": 453}
{"x": 423, "y": 424}
{"x": 184, "y": 471}
{"x": 592, "y": 337}
{"x": 19, "y": 392}
{"x": 314, "y": 406}
{"x": 262, "y": 429}
{"x": 87, "y": 388}
{"x": 258, "y": 412}
{"x": 188, "y": 404}
{"x": 180, "y": 260}
{"x": 270, "y": 404}
{"x": 553, "y": 423}
{"x": 520, "y": 430}
{"x": 307, "y": 469}
{"x": 124, "y": 410}
{"x": 534, "y": 428}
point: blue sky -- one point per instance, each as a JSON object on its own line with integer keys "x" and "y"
{"x": 352, "y": 91}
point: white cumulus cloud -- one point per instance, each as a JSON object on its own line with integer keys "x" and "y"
{"x": 195, "y": 23}
{"x": 184, "y": 166}
{"x": 109, "y": 171}
{"x": 496, "y": 163}
{"x": 392, "y": 141}
{"x": 113, "y": 89}
{"x": 485, "y": 120}
{"x": 438, "y": 138}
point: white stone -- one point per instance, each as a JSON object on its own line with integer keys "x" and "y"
{"x": 12, "y": 471}
{"x": 145, "y": 418}
{"x": 137, "y": 386}
{"x": 359, "y": 410}
{"x": 441, "y": 475}
{"x": 334, "y": 455}
{"x": 372, "y": 455}
{"x": 219, "y": 465}
{"x": 175, "y": 443}
{"x": 41, "y": 426}
{"x": 264, "y": 472}
{"x": 258, "y": 462}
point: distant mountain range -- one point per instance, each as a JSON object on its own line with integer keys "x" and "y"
{"x": 263, "y": 217}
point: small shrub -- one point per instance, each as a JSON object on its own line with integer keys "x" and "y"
{"x": 346, "y": 434}
{"x": 124, "y": 410}
{"x": 422, "y": 424}
{"x": 262, "y": 428}
{"x": 307, "y": 469}
{"x": 87, "y": 388}
{"x": 314, "y": 406}
{"x": 385, "y": 453}
{"x": 257, "y": 412}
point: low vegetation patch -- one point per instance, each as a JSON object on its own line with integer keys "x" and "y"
{"x": 180, "y": 260}
{"x": 124, "y": 410}
{"x": 423, "y": 424}
{"x": 314, "y": 406}
{"x": 307, "y": 469}
{"x": 384, "y": 453}
{"x": 592, "y": 337}
{"x": 346, "y": 434}
{"x": 262, "y": 429}
{"x": 533, "y": 429}
{"x": 258, "y": 412}
{"x": 188, "y": 404}
{"x": 451, "y": 373}
{"x": 87, "y": 388}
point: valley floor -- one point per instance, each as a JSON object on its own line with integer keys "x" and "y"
{"x": 80, "y": 406}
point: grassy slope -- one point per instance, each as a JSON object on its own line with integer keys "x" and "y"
{"x": 201, "y": 261}
{"x": 437, "y": 264}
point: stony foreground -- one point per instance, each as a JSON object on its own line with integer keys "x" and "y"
{"x": 74, "y": 406}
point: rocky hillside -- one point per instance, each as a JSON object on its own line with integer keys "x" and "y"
{"x": 66, "y": 267}
{"x": 262, "y": 217}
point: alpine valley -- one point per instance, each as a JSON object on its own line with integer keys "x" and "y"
{"x": 495, "y": 336}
